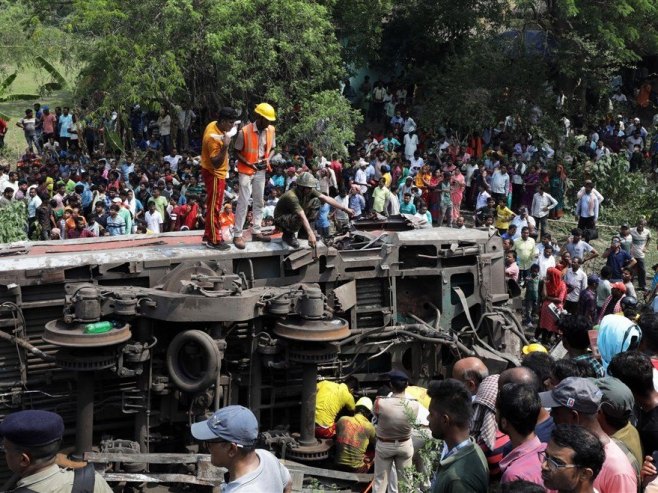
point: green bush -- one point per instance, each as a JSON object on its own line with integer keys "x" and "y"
{"x": 627, "y": 195}
{"x": 13, "y": 218}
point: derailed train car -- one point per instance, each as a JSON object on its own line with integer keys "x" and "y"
{"x": 133, "y": 339}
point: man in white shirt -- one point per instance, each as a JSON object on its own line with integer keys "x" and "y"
{"x": 409, "y": 126}
{"x": 417, "y": 162}
{"x": 341, "y": 217}
{"x": 576, "y": 281}
{"x": 410, "y": 142}
{"x": 524, "y": 220}
{"x": 579, "y": 248}
{"x": 601, "y": 150}
{"x": 542, "y": 203}
{"x": 173, "y": 159}
{"x": 230, "y": 436}
{"x": 361, "y": 178}
{"x": 545, "y": 260}
{"x": 482, "y": 198}
{"x": 500, "y": 183}
{"x": 153, "y": 219}
{"x": 641, "y": 237}
{"x": 587, "y": 208}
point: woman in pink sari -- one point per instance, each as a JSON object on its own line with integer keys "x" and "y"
{"x": 457, "y": 191}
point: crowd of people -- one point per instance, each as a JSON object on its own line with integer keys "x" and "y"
{"x": 74, "y": 185}
{"x": 583, "y": 422}
{"x": 231, "y": 177}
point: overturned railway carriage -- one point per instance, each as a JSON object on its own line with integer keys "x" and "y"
{"x": 188, "y": 329}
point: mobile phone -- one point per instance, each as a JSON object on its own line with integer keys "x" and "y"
{"x": 655, "y": 458}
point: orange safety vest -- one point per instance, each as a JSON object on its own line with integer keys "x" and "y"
{"x": 249, "y": 152}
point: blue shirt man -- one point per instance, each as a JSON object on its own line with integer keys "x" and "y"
{"x": 357, "y": 203}
{"x": 617, "y": 258}
{"x": 65, "y": 122}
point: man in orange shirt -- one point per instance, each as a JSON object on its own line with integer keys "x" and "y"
{"x": 214, "y": 167}
{"x": 227, "y": 218}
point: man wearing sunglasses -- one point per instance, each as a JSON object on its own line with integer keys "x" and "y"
{"x": 572, "y": 460}
{"x": 230, "y": 436}
{"x": 576, "y": 401}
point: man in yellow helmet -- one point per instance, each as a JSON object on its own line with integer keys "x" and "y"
{"x": 254, "y": 145}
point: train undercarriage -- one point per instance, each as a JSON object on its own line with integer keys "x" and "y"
{"x": 189, "y": 330}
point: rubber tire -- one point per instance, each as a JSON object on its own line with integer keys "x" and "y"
{"x": 211, "y": 355}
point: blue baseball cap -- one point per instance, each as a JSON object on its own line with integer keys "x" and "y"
{"x": 32, "y": 428}
{"x": 235, "y": 424}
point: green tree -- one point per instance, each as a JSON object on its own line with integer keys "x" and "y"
{"x": 326, "y": 119}
{"x": 13, "y": 218}
{"x": 206, "y": 53}
{"x": 359, "y": 27}
{"x": 24, "y": 37}
{"x": 513, "y": 57}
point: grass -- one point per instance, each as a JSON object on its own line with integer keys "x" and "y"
{"x": 28, "y": 81}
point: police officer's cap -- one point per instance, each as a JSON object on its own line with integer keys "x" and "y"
{"x": 398, "y": 375}
{"x": 32, "y": 428}
{"x": 229, "y": 113}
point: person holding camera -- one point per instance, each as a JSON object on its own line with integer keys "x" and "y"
{"x": 254, "y": 144}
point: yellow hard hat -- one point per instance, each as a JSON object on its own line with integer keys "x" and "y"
{"x": 266, "y": 111}
{"x": 365, "y": 402}
{"x": 534, "y": 348}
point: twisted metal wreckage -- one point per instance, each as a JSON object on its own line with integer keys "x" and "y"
{"x": 192, "y": 330}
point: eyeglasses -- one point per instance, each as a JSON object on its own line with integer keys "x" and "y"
{"x": 552, "y": 463}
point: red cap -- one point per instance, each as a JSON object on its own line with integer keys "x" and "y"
{"x": 619, "y": 285}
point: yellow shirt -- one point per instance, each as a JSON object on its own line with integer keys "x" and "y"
{"x": 354, "y": 434}
{"x": 210, "y": 148}
{"x": 330, "y": 399}
{"x": 503, "y": 217}
{"x": 420, "y": 394}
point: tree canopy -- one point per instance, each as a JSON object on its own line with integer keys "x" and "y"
{"x": 477, "y": 61}
{"x": 473, "y": 61}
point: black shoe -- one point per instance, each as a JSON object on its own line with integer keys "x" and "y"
{"x": 223, "y": 246}
{"x": 290, "y": 239}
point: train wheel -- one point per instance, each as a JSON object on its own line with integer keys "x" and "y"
{"x": 193, "y": 360}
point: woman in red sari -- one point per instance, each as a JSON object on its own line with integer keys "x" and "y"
{"x": 476, "y": 144}
{"x": 555, "y": 291}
